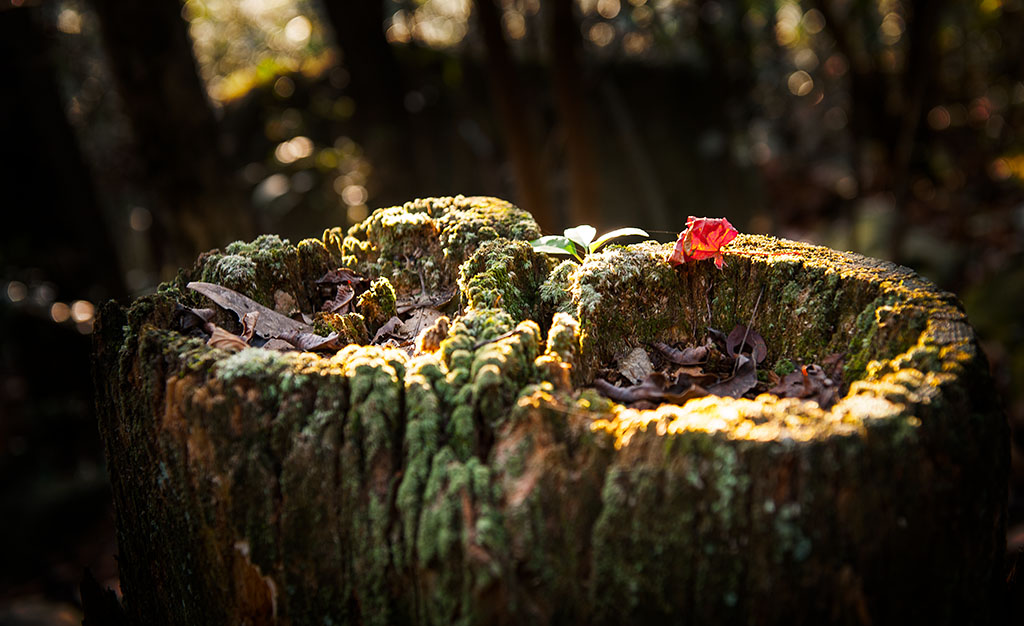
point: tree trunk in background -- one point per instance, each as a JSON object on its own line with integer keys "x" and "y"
{"x": 194, "y": 195}
{"x": 507, "y": 92}
{"x": 39, "y": 148}
{"x": 566, "y": 78}
{"x": 376, "y": 83}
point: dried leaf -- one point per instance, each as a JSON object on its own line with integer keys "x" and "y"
{"x": 810, "y": 382}
{"x": 270, "y": 322}
{"x": 636, "y": 366}
{"x": 755, "y": 343}
{"x": 341, "y": 302}
{"x": 421, "y": 319}
{"x": 311, "y": 342}
{"x": 341, "y": 276}
{"x": 220, "y": 338}
{"x": 703, "y": 238}
{"x": 686, "y": 356}
{"x": 193, "y": 318}
{"x": 249, "y": 325}
{"x": 738, "y": 384}
{"x": 655, "y": 389}
{"x": 279, "y": 345}
{"x": 341, "y": 286}
{"x": 394, "y": 328}
{"x": 425, "y": 300}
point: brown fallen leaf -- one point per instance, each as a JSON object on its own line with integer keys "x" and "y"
{"x": 655, "y": 389}
{"x": 249, "y": 325}
{"x": 341, "y": 286}
{"x": 754, "y": 341}
{"x": 220, "y": 338}
{"x": 425, "y": 300}
{"x": 686, "y": 356}
{"x": 421, "y": 319}
{"x": 810, "y": 382}
{"x": 311, "y": 342}
{"x": 394, "y": 328}
{"x": 738, "y": 384}
{"x": 279, "y": 345}
{"x": 190, "y": 318}
{"x": 635, "y": 366}
{"x": 270, "y": 323}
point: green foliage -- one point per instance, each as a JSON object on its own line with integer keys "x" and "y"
{"x": 579, "y": 241}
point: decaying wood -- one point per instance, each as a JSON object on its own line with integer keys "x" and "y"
{"x": 476, "y": 484}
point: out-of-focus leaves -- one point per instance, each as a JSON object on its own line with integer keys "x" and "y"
{"x": 738, "y": 384}
{"x": 311, "y": 342}
{"x": 686, "y": 356}
{"x": 655, "y": 389}
{"x": 220, "y": 338}
{"x": 810, "y": 382}
{"x": 735, "y": 344}
{"x": 636, "y": 366}
{"x": 394, "y": 328}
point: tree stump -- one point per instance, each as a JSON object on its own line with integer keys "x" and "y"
{"x": 485, "y": 483}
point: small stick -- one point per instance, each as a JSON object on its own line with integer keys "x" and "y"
{"x": 746, "y": 332}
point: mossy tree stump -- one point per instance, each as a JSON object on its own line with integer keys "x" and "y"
{"x": 483, "y": 483}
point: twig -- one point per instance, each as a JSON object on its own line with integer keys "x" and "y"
{"x": 736, "y": 365}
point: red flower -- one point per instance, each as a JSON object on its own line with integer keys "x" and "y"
{"x": 703, "y": 238}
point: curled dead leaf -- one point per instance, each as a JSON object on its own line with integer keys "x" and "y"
{"x": 754, "y": 343}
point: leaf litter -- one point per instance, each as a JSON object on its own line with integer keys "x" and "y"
{"x": 338, "y": 291}
{"x": 722, "y": 365}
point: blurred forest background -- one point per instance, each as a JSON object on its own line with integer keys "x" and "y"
{"x": 137, "y": 134}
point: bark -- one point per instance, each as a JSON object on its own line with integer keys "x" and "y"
{"x": 481, "y": 484}
{"x": 195, "y": 196}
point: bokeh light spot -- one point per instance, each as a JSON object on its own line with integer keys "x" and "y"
{"x": 16, "y": 291}
{"x": 939, "y": 118}
{"x": 601, "y": 34}
{"x": 60, "y": 312}
{"x": 800, "y": 83}
{"x": 299, "y": 29}
{"x": 140, "y": 219}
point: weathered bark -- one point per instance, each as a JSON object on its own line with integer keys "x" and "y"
{"x": 195, "y": 197}
{"x": 477, "y": 484}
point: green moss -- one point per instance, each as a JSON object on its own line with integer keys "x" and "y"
{"x": 784, "y": 366}
{"x": 505, "y": 274}
{"x": 555, "y": 291}
{"x": 351, "y": 327}
{"x": 377, "y": 304}
{"x": 423, "y": 243}
{"x": 626, "y": 297}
